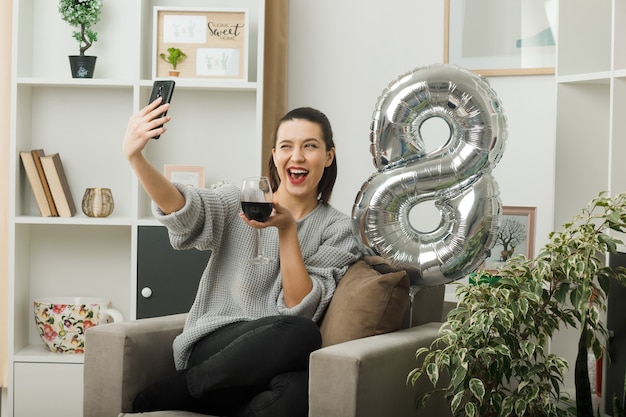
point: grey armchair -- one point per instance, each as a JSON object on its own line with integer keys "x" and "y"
{"x": 358, "y": 378}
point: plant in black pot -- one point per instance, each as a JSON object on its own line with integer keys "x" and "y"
{"x": 82, "y": 15}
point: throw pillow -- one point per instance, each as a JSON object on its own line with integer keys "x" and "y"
{"x": 366, "y": 303}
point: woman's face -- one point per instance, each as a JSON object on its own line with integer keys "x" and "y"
{"x": 300, "y": 157}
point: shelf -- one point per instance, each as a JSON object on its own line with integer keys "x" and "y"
{"x": 40, "y": 354}
{"x": 74, "y": 82}
{"x": 620, "y": 73}
{"x": 148, "y": 221}
{"x": 218, "y": 85}
{"x": 188, "y": 83}
{"x": 78, "y": 219}
{"x": 602, "y": 77}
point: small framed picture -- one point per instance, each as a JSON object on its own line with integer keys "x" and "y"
{"x": 191, "y": 175}
{"x": 516, "y": 235}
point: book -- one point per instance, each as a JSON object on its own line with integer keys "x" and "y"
{"x": 35, "y": 183}
{"x": 53, "y": 168}
{"x": 37, "y": 154}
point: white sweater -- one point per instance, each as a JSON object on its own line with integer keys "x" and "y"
{"x": 232, "y": 289}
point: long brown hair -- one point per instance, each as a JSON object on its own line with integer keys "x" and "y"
{"x": 327, "y": 182}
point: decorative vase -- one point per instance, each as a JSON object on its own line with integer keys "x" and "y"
{"x": 98, "y": 202}
{"x": 82, "y": 66}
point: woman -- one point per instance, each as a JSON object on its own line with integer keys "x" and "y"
{"x": 245, "y": 346}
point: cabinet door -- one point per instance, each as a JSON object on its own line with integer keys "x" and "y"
{"x": 48, "y": 389}
{"x": 616, "y": 323}
{"x": 172, "y": 276}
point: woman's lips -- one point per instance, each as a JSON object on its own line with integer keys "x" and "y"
{"x": 297, "y": 175}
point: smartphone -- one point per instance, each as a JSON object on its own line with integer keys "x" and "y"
{"x": 165, "y": 89}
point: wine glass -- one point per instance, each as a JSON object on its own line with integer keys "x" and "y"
{"x": 256, "y": 203}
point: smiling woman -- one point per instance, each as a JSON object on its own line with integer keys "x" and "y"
{"x": 304, "y": 149}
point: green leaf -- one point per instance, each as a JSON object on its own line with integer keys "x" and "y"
{"x": 520, "y": 407}
{"x": 605, "y": 283}
{"x": 477, "y": 388}
{"x": 523, "y": 306}
{"x": 422, "y": 400}
{"x": 503, "y": 350}
{"x": 561, "y": 293}
{"x": 470, "y": 410}
{"x": 507, "y": 406}
{"x": 433, "y": 373}
{"x": 528, "y": 347}
{"x": 575, "y": 297}
{"x": 413, "y": 376}
{"x": 507, "y": 281}
{"x": 421, "y": 351}
{"x": 459, "y": 376}
{"x": 522, "y": 384}
{"x": 596, "y": 347}
{"x": 456, "y": 401}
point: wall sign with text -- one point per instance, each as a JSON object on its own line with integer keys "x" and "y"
{"x": 214, "y": 40}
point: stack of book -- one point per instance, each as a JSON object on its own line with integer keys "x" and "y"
{"x": 49, "y": 183}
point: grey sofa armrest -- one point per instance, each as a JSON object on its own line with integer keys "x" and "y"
{"x": 373, "y": 373}
{"x": 113, "y": 376}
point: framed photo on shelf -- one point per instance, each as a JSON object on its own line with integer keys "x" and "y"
{"x": 192, "y": 175}
{"x": 215, "y": 42}
{"x": 516, "y": 235}
{"x": 495, "y": 37}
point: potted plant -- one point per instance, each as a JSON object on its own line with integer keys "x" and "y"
{"x": 174, "y": 57}
{"x": 493, "y": 346}
{"x": 82, "y": 15}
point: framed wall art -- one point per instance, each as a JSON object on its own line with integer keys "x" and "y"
{"x": 516, "y": 235}
{"x": 192, "y": 175}
{"x": 215, "y": 42}
{"x": 495, "y": 37}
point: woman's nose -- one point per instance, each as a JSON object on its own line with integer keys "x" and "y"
{"x": 297, "y": 154}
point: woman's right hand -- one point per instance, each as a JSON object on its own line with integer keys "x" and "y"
{"x": 143, "y": 126}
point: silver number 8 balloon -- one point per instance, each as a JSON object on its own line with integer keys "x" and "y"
{"x": 456, "y": 176}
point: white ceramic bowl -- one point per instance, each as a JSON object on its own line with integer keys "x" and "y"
{"x": 62, "y": 321}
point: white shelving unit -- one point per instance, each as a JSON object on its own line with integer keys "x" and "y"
{"x": 216, "y": 123}
{"x": 590, "y": 125}
{"x": 591, "y": 96}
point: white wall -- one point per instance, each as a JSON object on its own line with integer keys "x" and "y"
{"x": 342, "y": 54}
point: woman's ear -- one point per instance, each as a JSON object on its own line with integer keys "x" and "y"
{"x": 330, "y": 157}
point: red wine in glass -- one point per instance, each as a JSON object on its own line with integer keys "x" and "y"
{"x": 257, "y": 211}
{"x": 256, "y": 203}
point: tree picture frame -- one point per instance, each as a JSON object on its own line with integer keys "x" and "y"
{"x": 516, "y": 235}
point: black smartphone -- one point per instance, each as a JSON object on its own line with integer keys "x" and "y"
{"x": 165, "y": 89}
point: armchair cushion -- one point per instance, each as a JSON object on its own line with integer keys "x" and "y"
{"x": 366, "y": 303}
